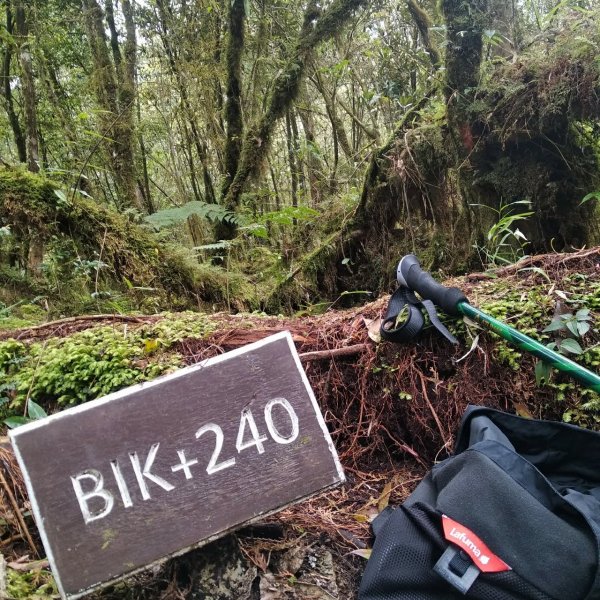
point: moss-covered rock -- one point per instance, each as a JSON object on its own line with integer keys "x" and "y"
{"x": 82, "y": 237}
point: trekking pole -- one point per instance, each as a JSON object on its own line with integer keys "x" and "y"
{"x": 452, "y": 301}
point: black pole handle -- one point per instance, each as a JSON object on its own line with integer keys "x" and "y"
{"x": 412, "y": 276}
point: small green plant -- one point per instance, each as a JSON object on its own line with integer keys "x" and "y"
{"x": 34, "y": 412}
{"x": 33, "y": 584}
{"x": 590, "y": 196}
{"x": 572, "y": 325}
{"x": 505, "y": 243}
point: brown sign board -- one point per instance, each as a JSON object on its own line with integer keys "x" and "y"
{"x": 154, "y": 470}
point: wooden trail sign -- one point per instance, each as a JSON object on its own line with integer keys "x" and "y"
{"x": 159, "y": 468}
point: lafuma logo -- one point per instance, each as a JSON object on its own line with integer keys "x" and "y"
{"x": 465, "y": 539}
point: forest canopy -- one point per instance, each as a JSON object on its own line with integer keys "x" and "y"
{"x": 270, "y": 155}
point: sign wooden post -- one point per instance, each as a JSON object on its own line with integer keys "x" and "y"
{"x": 156, "y": 469}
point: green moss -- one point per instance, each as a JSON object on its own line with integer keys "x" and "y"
{"x": 37, "y": 584}
{"x": 78, "y": 231}
{"x": 529, "y": 307}
{"x": 89, "y": 364}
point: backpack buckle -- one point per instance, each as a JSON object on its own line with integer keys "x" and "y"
{"x": 457, "y": 569}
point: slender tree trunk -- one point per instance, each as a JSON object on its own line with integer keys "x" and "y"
{"x": 189, "y": 154}
{"x": 7, "y": 90}
{"x": 423, "y": 23}
{"x": 315, "y": 30}
{"x": 296, "y": 148}
{"x": 291, "y": 159}
{"x": 337, "y": 126}
{"x": 314, "y": 163}
{"x": 109, "y": 11}
{"x": 144, "y": 184}
{"x": 115, "y": 91}
{"x": 58, "y": 98}
{"x": 164, "y": 13}
{"x": 28, "y": 84}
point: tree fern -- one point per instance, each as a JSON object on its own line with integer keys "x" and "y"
{"x": 172, "y": 216}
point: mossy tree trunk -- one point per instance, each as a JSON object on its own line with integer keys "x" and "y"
{"x": 114, "y": 82}
{"x": 316, "y": 29}
{"x": 6, "y": 90}
{"x": 232, "y": 111}
{"x": 33, "y": 242}
{"x": 465, "y": 22}
{"x": 28, "y": 87}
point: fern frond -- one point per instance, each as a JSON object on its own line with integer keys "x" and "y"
{"x": 172, "y": 216}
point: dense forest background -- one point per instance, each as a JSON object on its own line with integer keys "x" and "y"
{"x": 275, "y": 155}
{"x": 258, "y": 159}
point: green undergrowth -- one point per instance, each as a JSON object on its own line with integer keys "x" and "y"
{"x": 94, "y": 258}
{"x": 37, "y": 584}
{"x": 61, "y": 372}
{"x": 529, "y": 307}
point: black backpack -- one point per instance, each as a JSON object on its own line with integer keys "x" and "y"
{"x": 514, "y": 514}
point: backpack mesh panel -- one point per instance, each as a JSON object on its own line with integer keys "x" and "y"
{"x": 405, "y": 551}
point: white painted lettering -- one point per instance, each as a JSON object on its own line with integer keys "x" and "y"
{"x": 213, "y": 466}
{"x": 184, "y": 465}
{"x": 97, "y": 492}
{"x": 271, "y": 426}
{"x": 123, "y": 489}
{"x": 145, "y": 472}
{"x": 257, "y": 440}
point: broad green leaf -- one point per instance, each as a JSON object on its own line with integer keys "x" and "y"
{"x": 590, "y": 196}
{"x": 60, "y": 194}
{"x": 571, "y": 345}
{"x": 555, "y": 325}
{"x": 583, "y": 314}
{"x": 572, "y": 327}
{"x": 13, "y": 422}
{"x": 583, "y": 328}
{"x": 34, "y": 410}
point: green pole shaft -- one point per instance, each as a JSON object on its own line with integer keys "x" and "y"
{"x": 523, "y": 342}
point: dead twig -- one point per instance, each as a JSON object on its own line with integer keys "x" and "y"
{"x": 434, "y": 414}
{"x": 334, "y": 352}
{"x": 18, "y": 515}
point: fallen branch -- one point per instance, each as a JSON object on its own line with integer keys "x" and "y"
{"x": 24, "y": 331}
{"x": 542, "y": 258}
{"x": 325, "y": 354}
